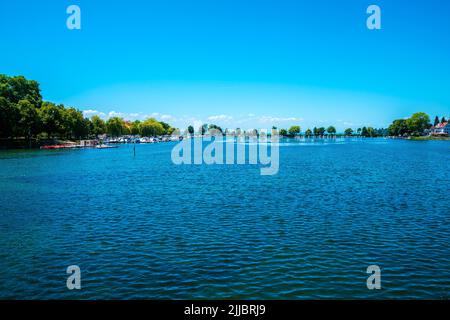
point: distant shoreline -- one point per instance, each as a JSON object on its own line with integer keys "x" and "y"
{"x": 34, "y": 144}
{"x": 429, "y": 138}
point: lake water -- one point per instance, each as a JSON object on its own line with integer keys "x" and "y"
{"x": 142, "y": 227}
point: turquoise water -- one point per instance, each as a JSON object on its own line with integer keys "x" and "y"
{"x": 142, "y": 227}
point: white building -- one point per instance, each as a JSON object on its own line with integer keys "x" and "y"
{"x": 441, "y": 129}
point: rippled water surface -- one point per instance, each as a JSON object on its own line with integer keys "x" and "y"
{"x": 142, "y": 227}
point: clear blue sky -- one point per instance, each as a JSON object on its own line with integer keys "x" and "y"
{"x": 246, "y": 63}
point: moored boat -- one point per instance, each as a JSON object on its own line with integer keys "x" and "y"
{"x": 58, "y": 146}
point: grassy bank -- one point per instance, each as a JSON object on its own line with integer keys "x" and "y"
{"x": 430, "y": 138}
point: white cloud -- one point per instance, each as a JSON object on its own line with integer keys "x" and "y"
{"x": 273, "y": 120}
{"x": 113, "y": 114}
{"x": 90, "y": 113}
{"x": 128, "y": 116}
{"x": 224, "y": 120}
{"x": 167, "y": 117}
{"x": 221, "y": 117}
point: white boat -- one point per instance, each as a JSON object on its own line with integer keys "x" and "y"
{"x": 105, "y": 146}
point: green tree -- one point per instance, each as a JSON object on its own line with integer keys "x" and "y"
{"x": 398, "y": 128}
{"x": 151, "y": 127}
{"x": 348, "y": 132}
{"x": 28, "y": 121}
{"x": 371, "y": 132}
{"x": 203, "y": 129}
{"x": 283, "y": 132}
{"x": 19, "y": 99}
{"x": 135, "y": 127}
{"x": 215, "y": 127}
{"x": 19, "y": 88}
{"x": 89, "y": 127}
{"x": 75, "y": 125}
{"x": 308, "y": 133}
{"x": 173, "y": 130}
{"x": 443, "y": 120}
{"x": 364, "y": 132}
{"x": 321, "y": 131}
{"x": 418, "y": 123}
{"x": 126, "y": 127}
{"x": 381, "y": 132}
{"x": 331, "y": 130}
{"x": 115, "y": 126}
{"x": 51, "y": 117}
{"x": 191, "y": 130}
{"x": 315, "y": 131}
{"x": 294, "y": 130}
{"x": 167, "y": 128}
{"x": 23, "y": 114}
{"x": 436, "y": 121}
{"x": 98, "y": 126}
{"x": 8, "y": 118}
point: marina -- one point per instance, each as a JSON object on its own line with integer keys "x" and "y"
{"x": 108, "y": 143}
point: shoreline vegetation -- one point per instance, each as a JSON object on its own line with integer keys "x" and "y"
{"x": 26, "y": 121}
{"x": 429, "y": 138}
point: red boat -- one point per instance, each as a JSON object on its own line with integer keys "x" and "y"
{"x": 57, "y": 146}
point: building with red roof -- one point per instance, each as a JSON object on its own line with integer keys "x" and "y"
{"x": 442, "y": 128}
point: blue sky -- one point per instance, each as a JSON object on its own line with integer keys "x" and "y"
{"x": 237, "y": 63}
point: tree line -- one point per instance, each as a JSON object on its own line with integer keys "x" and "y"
{"x": 437, "y": 121}
{"x": 331, "y": 131}
{"x": 23, "y": 114}
{"x": 412, "y": 126}
{"x": 296, "y": 131}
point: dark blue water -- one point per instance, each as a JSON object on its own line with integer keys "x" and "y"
{"x": 142, "y": 227}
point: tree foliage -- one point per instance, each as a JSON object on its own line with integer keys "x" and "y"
{"x": 415, "y": 125}
{"x": 418, "y": 123}
{"x": 18, "y": 88}
{"x": 52, "y": 118}
{"x": 331, "y": 130}
{"x": 436, "y": 121}
{"x": 23, "y": 114}
{"x": 294, "y": 130}
{"x": 151, "y": 127}
{"x": 348, "y": 132}
{"x": 98, "y": 126}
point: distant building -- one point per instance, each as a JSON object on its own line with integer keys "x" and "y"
{"x": 441, "y": 129}
{"x": 88, "y": 143}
